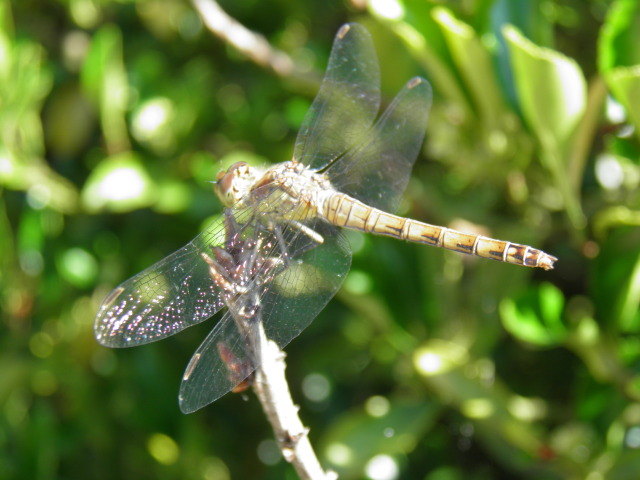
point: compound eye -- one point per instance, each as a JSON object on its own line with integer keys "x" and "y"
{"x": 226, "y": 182}
{"x": 239, "y": 165}
{"x": 224, "y": 188}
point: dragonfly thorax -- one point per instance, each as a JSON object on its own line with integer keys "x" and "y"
{"x": 286, "y": 191}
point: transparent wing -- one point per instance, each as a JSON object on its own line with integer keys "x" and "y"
{"x": 377, "y": 170}
{"x": 288, "y": 305}
{"x": 312, "y": 279}
{"x": 171, "y": 295}
{"x": 219, "y": 364}
{"x": 346, "y": 104}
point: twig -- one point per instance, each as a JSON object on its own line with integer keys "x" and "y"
{"x": 250, "y": 43}
{"x": 242, "y": 271}
{"x": 273, "y": 392}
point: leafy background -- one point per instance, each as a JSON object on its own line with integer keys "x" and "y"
{"x": 115, "y": 116}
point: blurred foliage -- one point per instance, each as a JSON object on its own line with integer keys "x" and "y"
{"x": 116, "y": 115}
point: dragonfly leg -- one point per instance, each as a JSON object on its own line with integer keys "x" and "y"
{"x": 309, "y": 232}
{"x": 312, "y": 239}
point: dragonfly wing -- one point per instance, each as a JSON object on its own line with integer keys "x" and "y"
{"x": 377, "y": 170}
{"x": 313, "y": 276}
{"x": 288, "y": 303}
{"x": 171, "y": 295}
{"x": 346, "y": 104}
{"x": 221, "y": 363}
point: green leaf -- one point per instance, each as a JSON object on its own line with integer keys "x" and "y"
{"x": 25, "y": 80}
{"x": 415, "y": 26}
{"x": 173, "y": 197}
{"x": 619, "y": 57}
{"x": 619, "y": 37}
{"x": 527, "y": 16}
{"x": 475, "y": 65}
{"x": 614, "y": 217}
{"x": 535, "y": 317}
{"x": 78, "y": 267}
{"x": 624, "y": 83}
{"x": 531, "y": 20}
{"x": 120, "y": 184}
{"x": 153, "y": 123}
{"x": 551, "y": 90}
{"x": 502, "y": 421}
{"x": 616, "y": 281}
{"x": 104, "y": 77}
{"x": 552, "y": 93}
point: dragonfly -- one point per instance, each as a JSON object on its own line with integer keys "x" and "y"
{"x": 349, "y": 169}
{"x": 241, "y": 271}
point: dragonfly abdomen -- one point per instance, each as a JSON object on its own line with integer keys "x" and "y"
{"x": 344, "y": 211}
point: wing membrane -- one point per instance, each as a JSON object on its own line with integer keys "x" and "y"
{"x": 219, "y": 364}
{"x": 171, "y": 295}
{"x": 346, "y": 104}
{"x": 288, "y": 303}
{"x": 377, "y": 170}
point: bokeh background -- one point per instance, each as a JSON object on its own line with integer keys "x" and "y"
{"x": 116, "y": 115}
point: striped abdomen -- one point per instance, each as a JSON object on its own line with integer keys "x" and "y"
{"x": 344, "y": 211}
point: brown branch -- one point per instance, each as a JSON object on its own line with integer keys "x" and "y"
{"x": 272, "y": 390}
{"x": 241, "y": 271}
{"x": 250, "y": 43}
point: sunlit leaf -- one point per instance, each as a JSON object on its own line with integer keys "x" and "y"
{"x": 423, "y": 37}
{"x": 438, "y": 357}
{"x": 474, "y": 64}
{"x": 624, "y": 83}
{"x": 616, "y": 280}
{"x": 618, "y": 56}
{"x": 78, "y": 267}
{"x": 618, "y": 39}
{"x": 552, "y": 94}
{"x": 24, "y": 83}
{"x": 152, "y": 124}
{"x": 536, "y": 316}
{"x": 104, "y": 77}
{"x": 119, "y": 184}
{"x": 551, "y": 90}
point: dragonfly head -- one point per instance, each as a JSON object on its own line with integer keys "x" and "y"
{"x": 235, "y": 183}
